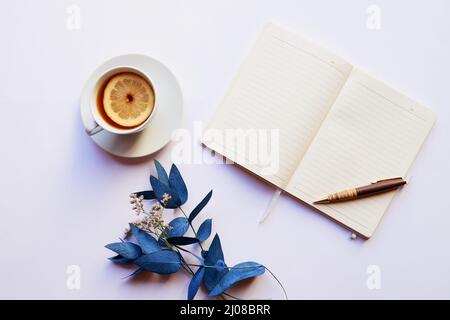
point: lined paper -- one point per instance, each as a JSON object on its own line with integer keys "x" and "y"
{"x": 371, "y": 132}
{"x": 337, "y": 127}
{"x": 287, "y": 84}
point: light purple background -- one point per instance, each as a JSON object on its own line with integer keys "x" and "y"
{"x": 63, "y": 198}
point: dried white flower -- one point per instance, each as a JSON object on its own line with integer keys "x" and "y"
{"x": 156, "y": 208}
{"x": 166, "y": 198}
{"x": 137, "y": 203}
{"x": 152, "y": 221}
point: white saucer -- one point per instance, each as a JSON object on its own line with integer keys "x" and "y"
{"x": 166, "y": 119}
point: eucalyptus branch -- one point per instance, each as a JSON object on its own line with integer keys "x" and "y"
{"x": 159, "y": 246}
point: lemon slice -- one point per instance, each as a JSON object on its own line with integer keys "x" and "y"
{"x": 128, "y": 99}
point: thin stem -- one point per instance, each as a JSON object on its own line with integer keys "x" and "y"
{"x": 183, "y": 262}
{"x": 186, "y": 268}
{"x": 231, "y": 296}
{"x": 279, "y": 282}
{"x": 192, "y": 227}
{"x": 185, "y": 250}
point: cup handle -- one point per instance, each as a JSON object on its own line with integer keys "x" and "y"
{"x": 96, "y": 129}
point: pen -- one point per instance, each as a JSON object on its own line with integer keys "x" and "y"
{"x": 364, "y": 191}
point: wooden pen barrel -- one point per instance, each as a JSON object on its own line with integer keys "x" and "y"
{"x": 374, "y": 188}
{"x": 343, "y": 195}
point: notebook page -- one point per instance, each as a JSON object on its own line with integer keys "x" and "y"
{"x": 276, "y": 103}
{"x": 371, "y": 133}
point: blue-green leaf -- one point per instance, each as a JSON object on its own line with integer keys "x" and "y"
{"x": 196, "y": 280}
{"x": 147, "y": 242}
{"x": 127, "y": 250}
{"x": 182, "y": 241}
{"x": 200, "y": 206}
{"x": 220, "y": 265}
{"x": 239, "y": 272}
{"x": 120, "y": 259}
{"x": 162, "y": 174}
{"x": 148, "y": 195}
{"x": 214, "y": 254}
{"x": 162, "y": 262}
{"x": 160, "y": 189}
{"x": 179, "y": 227}
{"x": 204, "y": 231}
{"x": 176, "y": 182}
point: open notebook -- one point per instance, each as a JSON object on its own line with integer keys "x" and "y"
{"x": 338, "y": 127}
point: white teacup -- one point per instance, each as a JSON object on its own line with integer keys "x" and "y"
{"x": 99, "y": 123}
